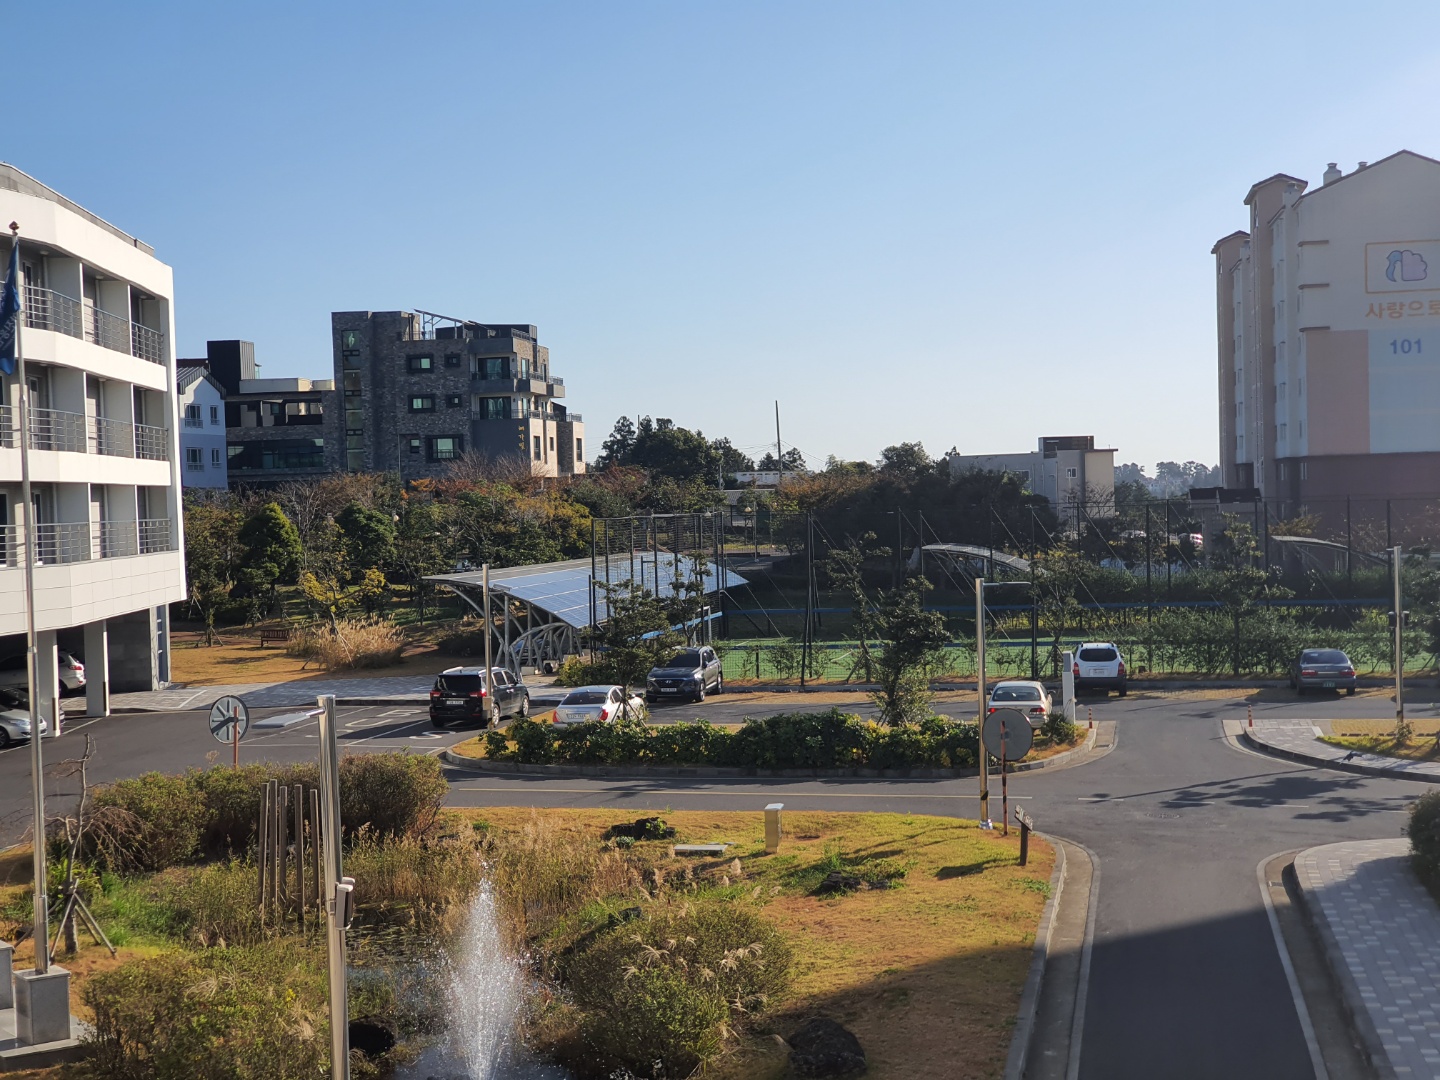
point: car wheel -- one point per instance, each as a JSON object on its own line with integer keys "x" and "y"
{"x": 4, "y": 742}
{"x": 524, "y": 709}
{"x": 1299, "y": 690}
{"x": 436, "y": 723}
{"x": 1349, "y": 691}
{"x": 492, "y": 716}
{"x": 1122, "y": 691}
{"x": 701, "y": 695}
{"x": 719, "y": 684}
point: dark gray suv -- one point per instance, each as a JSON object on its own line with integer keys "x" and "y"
{"x": 690, "y": 673}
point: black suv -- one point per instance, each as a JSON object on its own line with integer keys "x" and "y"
{"x": 689, "y": 673}
{"x": 460, "y": 693}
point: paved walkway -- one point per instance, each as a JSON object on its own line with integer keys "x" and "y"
{"x": 1382, "y": 932}
{"x": 1300, "y": 739}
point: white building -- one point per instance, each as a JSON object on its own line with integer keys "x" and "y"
{"x": 97, "y": 351}
{"x": 1329, "y": 341}
{"x": 202, "y": 427}
{"x": 1067, "y": 470}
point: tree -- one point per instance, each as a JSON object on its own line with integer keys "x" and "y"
{"x": 272, "y": 555}
{"x": 619, "y": 447}
{"x": 637, "y": 633}
{"x": 906, "y": 459}
{"x": 790, "y": 461}
{"x": 732, "y": 460}
{"x": 212, "y": 554}
{"x": 369, "y": 538}
{"x": 1240, "y": 583}
{"x": 844, "y": 566}
{"x": 912, "y": 647}
{"x": 421, "y": 546}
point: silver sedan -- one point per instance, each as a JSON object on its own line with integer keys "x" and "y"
{"x": 15, "y": 718}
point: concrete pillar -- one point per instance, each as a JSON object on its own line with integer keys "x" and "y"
{"x": 47, "y": 680}
{"x": 162, "y": 642}
{"x": 42, "y": 1006}
{"x": 97, "y": 669}
{"x": 7, "y": 985}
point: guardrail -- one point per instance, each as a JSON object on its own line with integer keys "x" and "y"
{"x": 51, "y": 429}
{"x": 46, "y": 309}
{"x": 117, "y": 539}
{"x": 113, "y": 438}
{"x": 154, "y": 535}
{"x": 151, "y": 443}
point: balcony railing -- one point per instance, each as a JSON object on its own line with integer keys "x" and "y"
{"x": 62, "y": 542}
{"x": 7, "y": 427}
{"x": 118, "y": 538}
{"x": 151, "y": 443}
{"x": 194, "y": 421}
{"x": 46, "y": 309}
{"x": 51, "y": 429}
{"x": 114, "y": 438}
{"x": 154, "y": 535}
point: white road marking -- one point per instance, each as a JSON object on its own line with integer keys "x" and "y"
{"x": 460, "y": 786}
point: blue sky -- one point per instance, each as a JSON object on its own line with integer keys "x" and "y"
{"x": 965, "y": 224}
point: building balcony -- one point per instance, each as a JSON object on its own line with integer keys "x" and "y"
{"x": 46, "y": 309}
{"x": 77, "y": 433}
{"x": 62, "y": 542}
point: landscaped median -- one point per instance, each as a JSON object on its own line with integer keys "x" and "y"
{"x": 830, "y": 743}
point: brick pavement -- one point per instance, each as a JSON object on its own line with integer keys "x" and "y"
{"x": 1382, "y": 933}
{"x": 1301, "y": 739}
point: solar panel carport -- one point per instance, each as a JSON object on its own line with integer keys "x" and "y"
{"x": 545, "y": 607}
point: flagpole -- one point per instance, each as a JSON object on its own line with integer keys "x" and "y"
{"x": 41, "y": 934}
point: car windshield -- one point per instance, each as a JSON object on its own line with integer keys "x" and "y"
{"x": 586, "y": 697}
{"x": 1098, "y": 656}
{"x": 14, "y": 699}
{"x": 1016, "y": 693}
{"x": 686, "y": 658}
{"x": 1324, "y": 656}
{"x": 459, "y": 684}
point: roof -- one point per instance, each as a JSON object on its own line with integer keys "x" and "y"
{"x": 975, "y": 552}
{"x": 562, "y": 589}
{"x": 186, "y": 375}
{"x": 12, "y": 179}
{"x": 1238, "y": 233}
{"x": 1250, "y": 195}
{"x": 1368, "y": 167}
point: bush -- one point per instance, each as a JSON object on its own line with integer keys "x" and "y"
{"x": 147, "y": 823}
{"x": 212, "y": 905}
{"x": 217, "y": 1014}
{"x": 576, "y": 672}
{"x": 1424, "y": 832}
{"x": 1059, "y": 730}
{"x": 407, "y": 872}
{"x": 366, "y": 642}
{"x": 828, "y": 740}
{"x": 392, "y": 794}
{"x": 661, "y": 989}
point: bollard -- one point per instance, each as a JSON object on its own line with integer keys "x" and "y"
{"x": 1090, "y": 715}
{"x": 1026, "y": 825}
{"x": 772, "y": 827}
{"x": 1249, "y": 715}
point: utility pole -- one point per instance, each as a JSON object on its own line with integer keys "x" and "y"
{"x": 339, "y": 891}
{"x": 1396, "y": 554}
{"x": 980, "y": 684}
{"x": 779, "y": 457}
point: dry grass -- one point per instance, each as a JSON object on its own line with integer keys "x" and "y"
{"x": 1366, "y": 728}
{"x": 927, "y": 975}
{"x": 1417, "y": 749}
{"x": 350, "y": 644}
{"x": 242, "y": 660}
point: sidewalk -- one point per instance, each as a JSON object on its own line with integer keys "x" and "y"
{"x": 1299, "y": 740}
{"x": 1381, "y": 932}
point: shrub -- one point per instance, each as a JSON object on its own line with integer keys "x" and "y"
{"x": 212, "y": 905}
{"x": 534, "y": 741}
{"x": 828, "y": 740}
{"x": 217, "y": 1014}
{"x": 661, "y": 989}
{"x": 1424, "y": 832}
{"x": 574, "y": 671}
{"x": 1059, "y": 730}
{"x": 695, "y": 743}
{"x": 392, "y": 794}
{"x": 147, "y": 823}
{"x": 365, "y": 642}
{"x": 408, "y": 872}
{"x": 598, "y": 742}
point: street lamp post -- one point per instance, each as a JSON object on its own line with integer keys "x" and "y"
{"x": 980, "y": 686}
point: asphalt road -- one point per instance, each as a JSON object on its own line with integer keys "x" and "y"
{"x": 1185, "y": 978}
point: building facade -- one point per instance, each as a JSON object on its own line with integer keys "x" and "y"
{"x": 202, "y": 426}
{"x": 98, "y": 327}
{"x": 416, "y": 391}
{"x": 274, "y": 428}
{"x": 1068, "y": 470}
{"x": 1328, "y": 324}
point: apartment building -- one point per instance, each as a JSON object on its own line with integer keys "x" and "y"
{"x": 96, "y": 349}
{"x": 202, "y": 425}
{"x": 274, "y": 428}
{"x": 418, "y": 390}
{"x": 1068, "y": 470}
{"x": 1328, "y": 325}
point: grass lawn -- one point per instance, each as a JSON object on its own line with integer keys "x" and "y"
{"x": 241, "y": 659}
{"x": 928, "y": 974}
{"x": 1378, "y": 737}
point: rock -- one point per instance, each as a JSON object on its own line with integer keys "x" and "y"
{"x": 824, "y": 1048}
{"x": 373, "y": 1036}
{"x": 838, "y": 881}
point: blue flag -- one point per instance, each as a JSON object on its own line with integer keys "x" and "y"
{"x": 10, "y": 313}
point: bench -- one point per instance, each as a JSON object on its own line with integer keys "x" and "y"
{"x": 281, "y": 635}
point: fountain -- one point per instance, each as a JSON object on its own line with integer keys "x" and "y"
{"x": 484, "y": 1000}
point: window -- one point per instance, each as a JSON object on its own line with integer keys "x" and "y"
{"x": 193, "y": 460}
{"x": 552, "y": 444}
{"x": 215, "y": 414}
{"x": 452, "y": 359}
{"x": 446, "y": 447}
{"x": 1304, "y": 470}
{"x": 215, "y": 456}
{"x": 192, "y": 416}
{"x": 421, "y": 363}
{"x": 349, "y": 340}
{"x": 1284, "y": 432}
{"x": 494, "y": 408}
{"x": 281, "y": 455}
{"x": 414, "y": 446}
{"x": 1025, "y": 475}
{"x": 422, "y": 403}
{"x": 538, "y": 450}
{"x": 1071, "y": 474}
{"x": 352, "y": 384}
{"x": 494, "y": 367}
{"x": 579, "y": 450}
{"x": 454, "y": 401}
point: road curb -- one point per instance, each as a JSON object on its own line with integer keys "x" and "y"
{"x": 1019, "y": 1055}
{"x": 1350, "y": 999}
{"x": 482, "y": 765}
{"x": 1260, "y": 746}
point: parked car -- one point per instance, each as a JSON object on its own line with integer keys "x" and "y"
{"x": 15, "y": 718}
{"x": 1099, "y": 666}
{"x": 604, "y": 703}
{"x": 1322, "y": 669}
{"x": 1030, "y": 697}
{"x": 14, "y": 672}
{"x": 461, "y": 693}
{"x": 688, "y": 674}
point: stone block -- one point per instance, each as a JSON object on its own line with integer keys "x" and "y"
{"x": 42, "y": 1006}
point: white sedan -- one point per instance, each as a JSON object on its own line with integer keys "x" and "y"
{"x": 604, "y": 703}
{"x": 1030, "y": 697}
{"x": 15, "y": 718}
